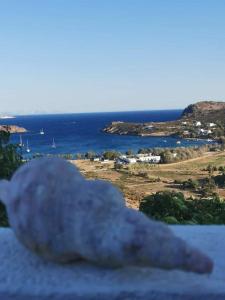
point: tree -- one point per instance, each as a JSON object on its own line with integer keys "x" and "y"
{"x": 208, "y": 187}
{"x": 173, "y": 208}
{"x": 79, "y": 156}
{"x": 221, "y": 169}
{"x": 165, "y": 206}
{"x": 210, "y": 169}
{"x": 129, "y": 152}
{"x": 220, "y": 180}
{"x": 10, "y": 160}
{"x": 191, "y": 184}
{"x": 90, "y": 155}
{"x": 111, "y": 155}
{"x": 167, "y": 157}
{"x": 222, "y": 142}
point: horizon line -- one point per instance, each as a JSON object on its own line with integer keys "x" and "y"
{"x": 89, "y": 112}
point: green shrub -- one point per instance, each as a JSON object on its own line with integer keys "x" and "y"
{"x": 221, "y": 169}
{"x": 173, "y": 208}
{"x": 10, "y": 160}
{"x": 191, "y": 184}
{"x": 90, "y": 155}
{"x": 111, "y": 155}
{"x": 220, "y": 180}
{"x": 162, "y": 205}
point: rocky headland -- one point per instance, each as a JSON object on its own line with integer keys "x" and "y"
{"x": 12, "y": 128}
{"x": 205, "y": 119}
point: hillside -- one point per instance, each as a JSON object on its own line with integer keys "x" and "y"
{"x": 205, "y": 111}
{"x": 205, "y": 119}
{"x": 136, "y": 185}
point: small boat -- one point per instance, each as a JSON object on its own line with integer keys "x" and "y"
{"x": 28, "y": 149}
{"x": 178, "y": 142}
{"x": 53, "y": 143}
{"x": 165, "y": 141}
{"x": 42, "y": 131}
{"x": 21, "y": 142}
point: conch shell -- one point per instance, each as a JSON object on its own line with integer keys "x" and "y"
{"x": 58, "y": 214}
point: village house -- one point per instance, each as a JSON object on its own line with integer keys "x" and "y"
{"x": 146, "y": 157}
{"x": 198, "y": 123}
{"x": 149, "y": 127}
{"x": 211, "y": 124}
{"x": 143, "y": 155}
{"x": 123, "y": 159}
{"x": 150, "y": 159}
{"x": 95, "y": 159}
{"x": 204, "y": 131}
{"x": 186, "y": 132}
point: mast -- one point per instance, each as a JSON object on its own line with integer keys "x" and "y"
{"x": 21, "y": 141}
{"x": 28, "y": 149}
{"x": 53, "y": 143}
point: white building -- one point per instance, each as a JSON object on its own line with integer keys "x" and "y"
{"x": 103, "y": 161}
{"x": 149, "y": 127}
{"x": 126, "y": 160}
{"x": 204, "y": 131}
{"x": 96, "y": 159}
{"x": 212, "y": 124}
{"x": 150, "y": 159}
{"x": 198, "y": 123}
{"x": 143, "y": 155}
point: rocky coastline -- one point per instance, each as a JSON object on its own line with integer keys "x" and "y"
{"x": 202, "y": 120}
{"x": 12, "y": 128}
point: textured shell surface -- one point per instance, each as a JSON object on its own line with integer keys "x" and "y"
{"x": 58, "y": 214}
{"x": 49, "y": 198}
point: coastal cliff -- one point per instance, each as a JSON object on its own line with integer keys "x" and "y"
{"x": 205, "y": 119}
{"x": 205, "y": 111}
{"x": 12, "y": 128}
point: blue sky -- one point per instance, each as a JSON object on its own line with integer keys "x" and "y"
{"x": 101, "y": 55}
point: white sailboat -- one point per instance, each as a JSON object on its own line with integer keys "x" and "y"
{"x": 42, "y": 131}
{"x": 21, "y": 142}
{"x": 28, "y": 149}
{"x": 53, "y": 143}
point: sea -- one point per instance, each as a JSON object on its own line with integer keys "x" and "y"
{"x": 82, "y": 132}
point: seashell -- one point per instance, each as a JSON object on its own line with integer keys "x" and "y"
{"x": 58, "y": 214}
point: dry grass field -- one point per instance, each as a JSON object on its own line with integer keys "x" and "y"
{"x": 138, "y": 180}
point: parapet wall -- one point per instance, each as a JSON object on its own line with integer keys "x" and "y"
{"x": 25, "y": 276}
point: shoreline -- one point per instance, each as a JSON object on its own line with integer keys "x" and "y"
{"x": 163, "y": 136}
{"x": 202, "y": 120}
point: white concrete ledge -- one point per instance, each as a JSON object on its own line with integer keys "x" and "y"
{"x": 25, "y": 276}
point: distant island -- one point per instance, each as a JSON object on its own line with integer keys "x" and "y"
{"x": 202, "y": 120}
{"x": 12, "y": 128}
{"x": 6, "y": 117}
